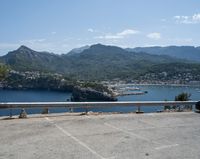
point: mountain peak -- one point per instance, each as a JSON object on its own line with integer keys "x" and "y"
{"x": 78, "y": 50}
{"x": 23, "y": 48}
{"x": 101, "y": 47}
{"x": 97, "y": 45}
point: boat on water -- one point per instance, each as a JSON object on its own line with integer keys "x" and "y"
{"x": 131, "y": 93}
{"x": 132, "y": 88}
{"x": 129, "y": 89}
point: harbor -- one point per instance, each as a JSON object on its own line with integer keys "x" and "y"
{"x": 126, "y": 90}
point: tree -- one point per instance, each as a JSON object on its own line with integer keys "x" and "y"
{"x": 183, "y": 97}
{"x": 3, "y": 71}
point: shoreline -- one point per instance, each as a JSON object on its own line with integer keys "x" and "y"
{"x": 117, "y": 92}
{"x": 153, "y": 84}
{"x": 109, "y": 85}
{"x": 176, "y": 85}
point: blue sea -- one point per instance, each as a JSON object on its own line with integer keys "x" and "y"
{"x": 155, "y": 93}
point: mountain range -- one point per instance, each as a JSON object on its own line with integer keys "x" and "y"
{"x": 100, "y": 61}
{"x": 184, "y": 52}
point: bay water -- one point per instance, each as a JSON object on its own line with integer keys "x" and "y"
{"x": 155, "y": 93}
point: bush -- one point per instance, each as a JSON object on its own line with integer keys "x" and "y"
{"x": 3, "y": 71}
{"x": 183, "y": 97}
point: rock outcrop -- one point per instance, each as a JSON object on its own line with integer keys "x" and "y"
{"x": 88, "y": 94}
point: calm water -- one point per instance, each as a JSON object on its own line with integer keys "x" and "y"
{"x": 154, "y": 93}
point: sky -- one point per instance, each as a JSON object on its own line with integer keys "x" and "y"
{"x": 61, "y": 25}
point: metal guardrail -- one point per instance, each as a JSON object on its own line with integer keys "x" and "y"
{"x": 86, "y": 105}
{"x": 15, "y": 105}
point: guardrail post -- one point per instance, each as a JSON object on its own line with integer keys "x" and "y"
{"x": 10, "y": 114}
{"x": 45, "y": 111}
{"x": 86, "y": 110}
{"x": 71, "y": 110}
{"x": 139, "y": 110}
{"x": 23, "y": 114}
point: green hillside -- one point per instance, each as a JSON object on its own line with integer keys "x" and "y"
{"x": 183, "y": 52}
{"x": 98, "y": 62}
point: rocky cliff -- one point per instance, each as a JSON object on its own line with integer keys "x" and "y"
{"x": 88, "y": 94}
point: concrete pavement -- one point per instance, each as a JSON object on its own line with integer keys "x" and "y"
{"x": 117, "y": 136}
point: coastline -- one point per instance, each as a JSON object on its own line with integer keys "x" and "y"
{"x": 122, "y": 89}
{"x": 175, "y": 85}
{"x": 155, "y": 84}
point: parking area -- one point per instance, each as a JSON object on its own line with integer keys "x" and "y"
{"x": 113, "y": 136}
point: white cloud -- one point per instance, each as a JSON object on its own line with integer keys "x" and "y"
{"x": 155, "y": 36}
{"x": 196, "y": 17}
{"x": 181, "y": 41}
{"x": 123, "y": 34}
{"x": 6, "y": 47}
{"x": 9, "y": 45}
{"x": 109, "y": 37}
{"x": 90, "y": 30}
{"x": 128, "y": 32}
{"x": 177, "y": 17}
{"x": 53, "y": 32}
{"x": 68, "y": 39}
{"x": 65, "y": 45}
{"x": 163, "y": 20}
{"x": 32, "y": 41}
{"x": 182, "y": 19}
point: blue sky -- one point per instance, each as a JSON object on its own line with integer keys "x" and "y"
{"x": 60, "y": 25}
